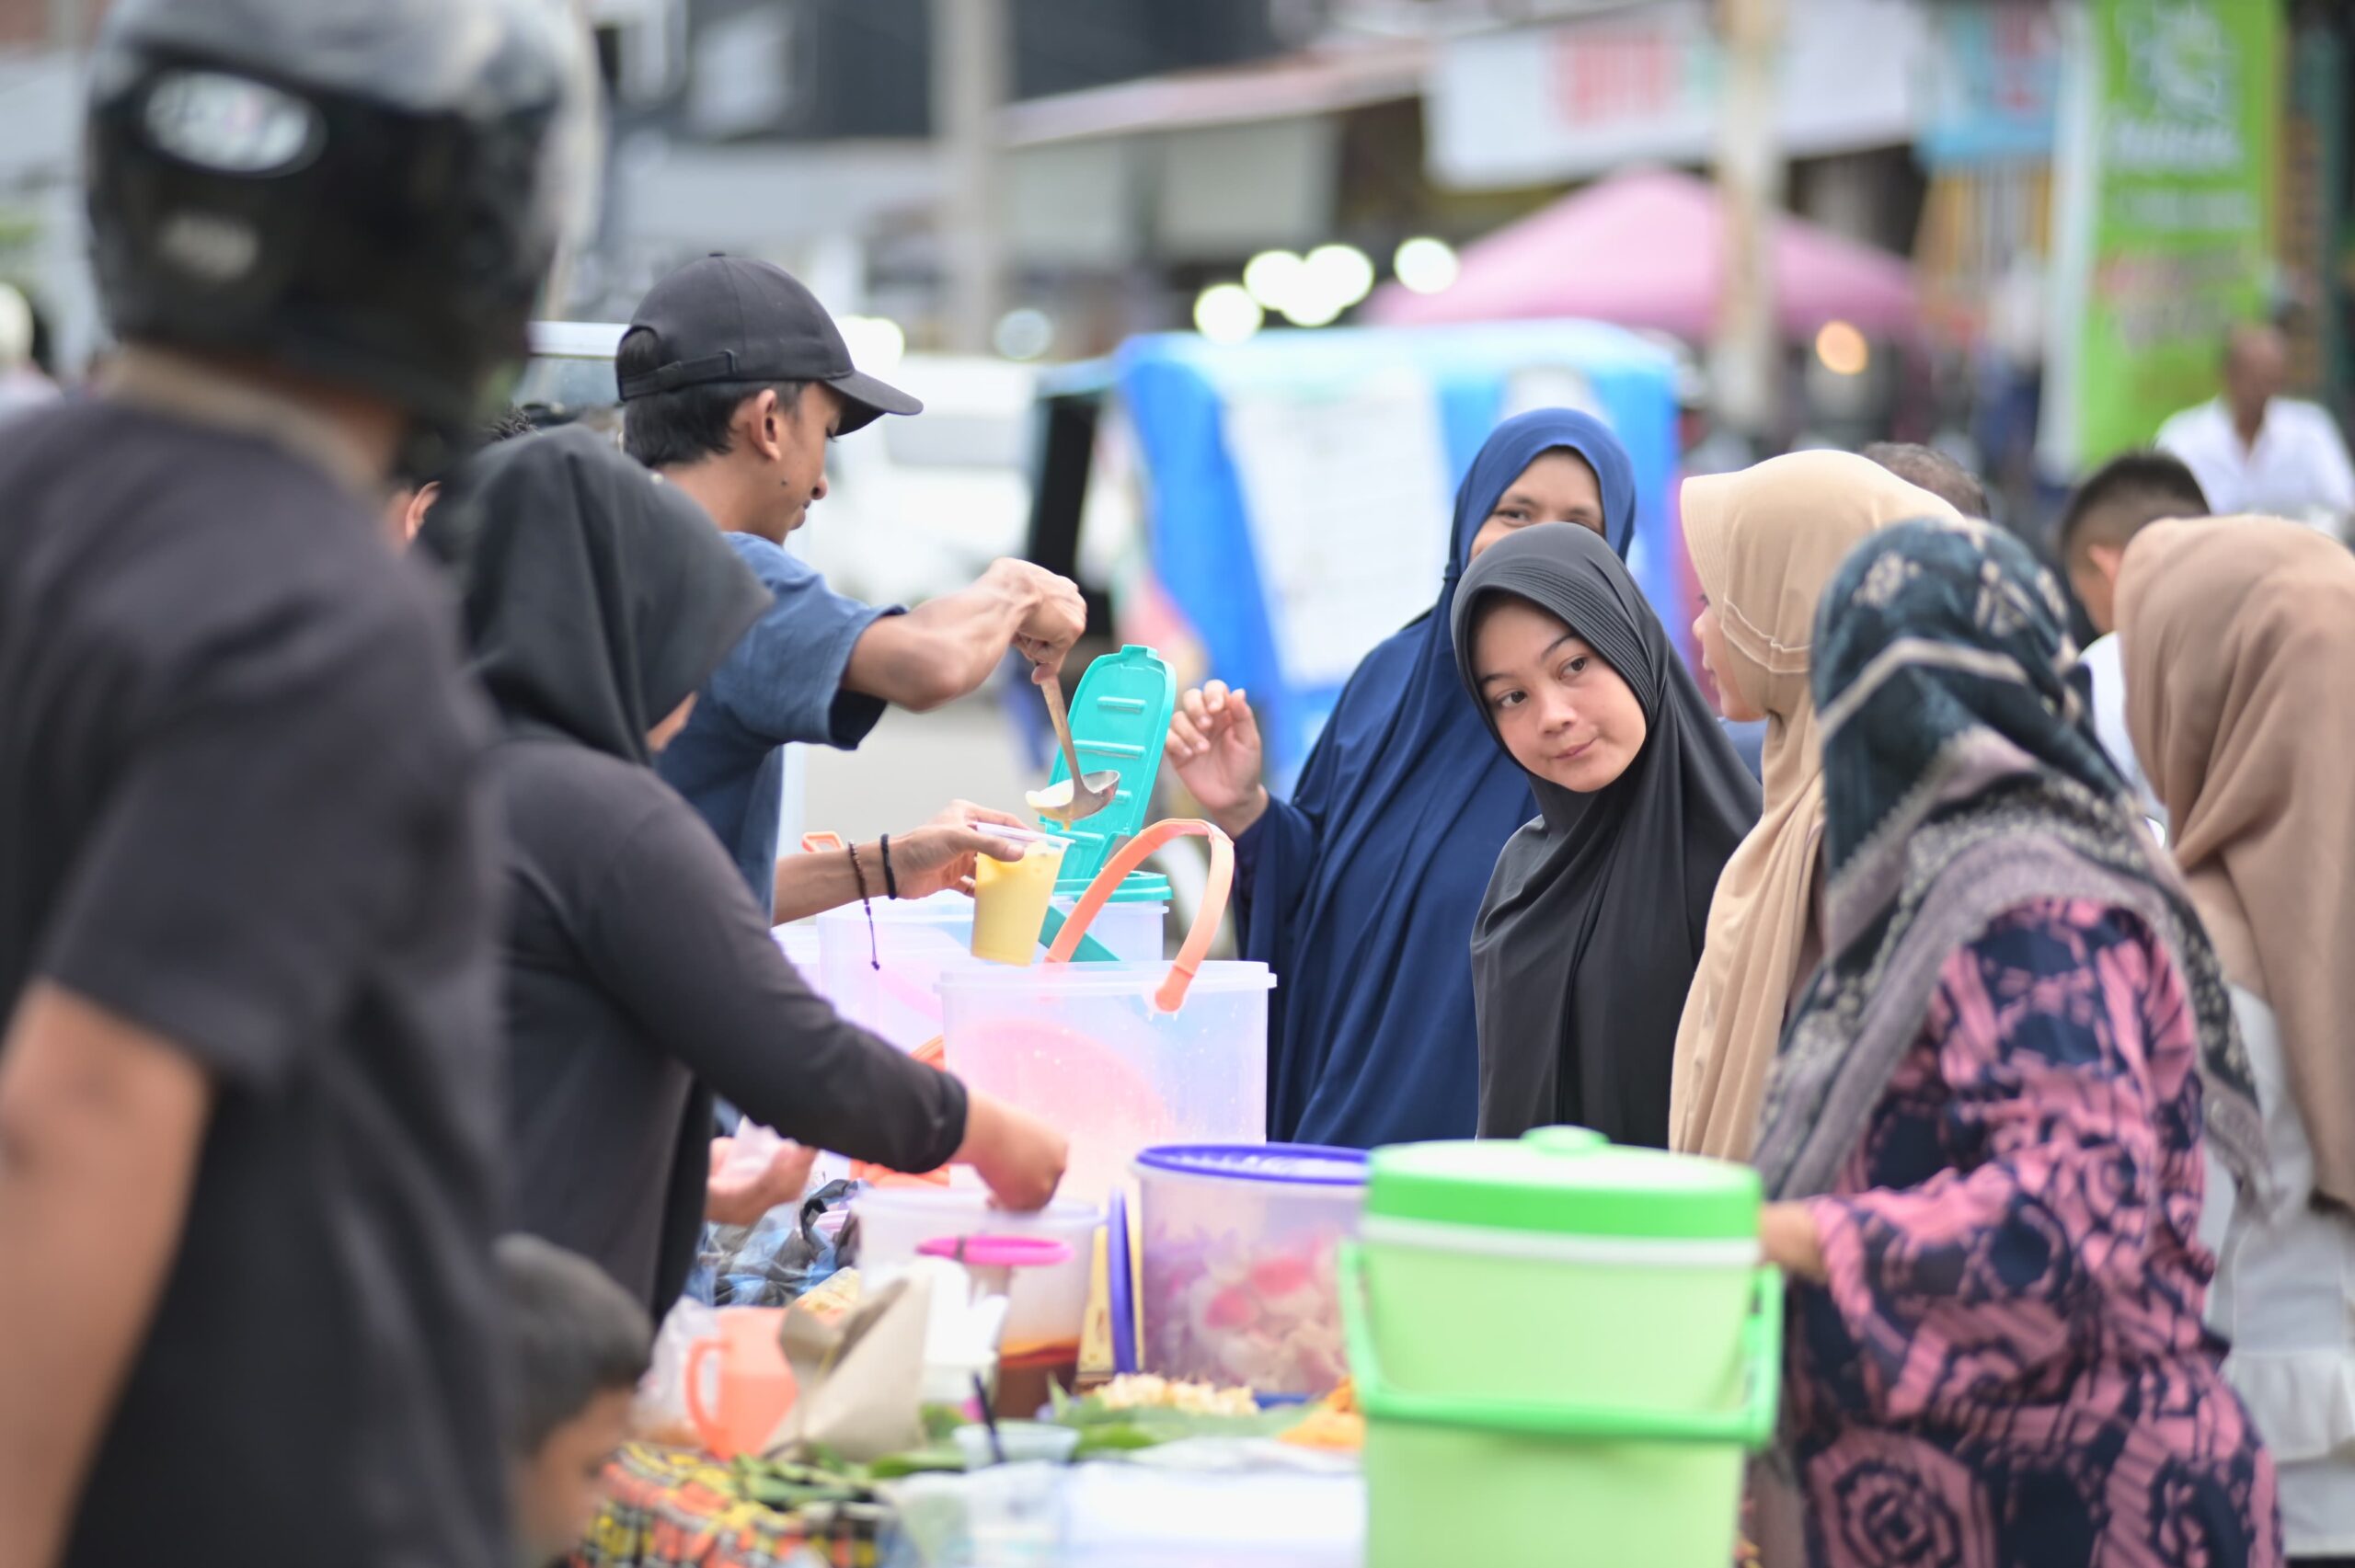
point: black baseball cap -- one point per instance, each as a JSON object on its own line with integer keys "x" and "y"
{"x": 730, "y": 319}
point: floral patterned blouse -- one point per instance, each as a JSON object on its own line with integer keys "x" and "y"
{"x": 2007, "y": 1369}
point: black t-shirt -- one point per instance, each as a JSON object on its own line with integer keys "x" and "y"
{"x": 242, "y": 804}
{"x": 641, "y": 978}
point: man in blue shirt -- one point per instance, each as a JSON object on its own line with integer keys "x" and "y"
{"x": 733, "y": 379}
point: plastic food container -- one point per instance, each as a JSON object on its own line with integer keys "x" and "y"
{"x": 914, "y": 941}
{"x": 805, "y": 950}
{"x": 1240, "y": 1245}
{"x": 1133, "y": 924}
{"x": 1022, "y": 1442}
{"x": 1553, "y": 1341}
{"x": 1122, "y": 1057}
{"x": 1084, "y": 1047}
{"x": 1045, "y": 1307}
{"x": 1010, "y": 897}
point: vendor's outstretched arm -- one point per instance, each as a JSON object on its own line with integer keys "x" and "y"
{"x": 947, "y": 648}
{"x": 935, "y": 858}
{"x": 687, "y": 949}
{"x": 100, "y": 1126}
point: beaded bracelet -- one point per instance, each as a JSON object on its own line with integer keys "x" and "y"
{"x": 874, "y": 954}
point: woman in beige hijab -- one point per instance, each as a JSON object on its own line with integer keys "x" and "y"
{"x": 2239, "y": 638}
{"x": 1764, "y": 543}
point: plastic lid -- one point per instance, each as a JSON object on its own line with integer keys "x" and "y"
{"x": 1136, "y": 887}
{"x": 947, "y": 911}
{"x": 1581, "y": 1191}
{"x": 997, "y": 1251}
{"x": 1025, "y": 835}
{"x": 1566, "y": 1140}
{"x": 1294, "y": 1165}
{"x": 953, "y": 1209}
{"x": 1214, "y": 979}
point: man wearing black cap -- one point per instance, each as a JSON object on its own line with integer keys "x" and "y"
{"x": 733, "y": 379}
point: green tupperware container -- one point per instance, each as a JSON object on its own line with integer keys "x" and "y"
{"x": 1563, "y": 1349}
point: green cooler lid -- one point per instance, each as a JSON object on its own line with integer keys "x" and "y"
{"x": 1560, "y": 1184}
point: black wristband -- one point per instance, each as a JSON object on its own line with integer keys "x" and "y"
{"x": 891, "y": 877}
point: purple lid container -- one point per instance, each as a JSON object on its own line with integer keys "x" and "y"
{"x": 1121, "y": 1285}
{"x": 1286, "y": 1164}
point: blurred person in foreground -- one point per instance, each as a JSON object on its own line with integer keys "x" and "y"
{"x": 640, "y": 976}
{"x": 24, "y": 386}
{"x": 2257, "y": 452}
{"x": 2117, "y": 502}
{"x": 247, "y": 1088}
{"x": 1927, "y": 468}
{"x": 734, "y": 380}
{"x": 2240, "y": 634}
{"x": 1362, "y": 889}
{"x": 577, "y": 1345}
{"x": 1983, "y": 1134}
{"x": 1764, "y": 543}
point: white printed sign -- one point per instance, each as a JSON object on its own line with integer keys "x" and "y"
{"x": 1346, "y": 490}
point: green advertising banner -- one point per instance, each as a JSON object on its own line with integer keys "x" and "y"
{"x": 2175, "y": 203}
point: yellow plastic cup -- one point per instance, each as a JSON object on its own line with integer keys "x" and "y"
{"x": 1010, "y": 897}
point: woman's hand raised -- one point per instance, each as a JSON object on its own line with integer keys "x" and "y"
{"x": 1214, "y": 744}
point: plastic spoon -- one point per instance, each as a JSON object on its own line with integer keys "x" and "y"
{"x": 1081, "y": 795}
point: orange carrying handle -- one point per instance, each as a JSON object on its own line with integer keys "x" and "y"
{"x": 1182, "y": 969}
{"x": 1197, "y": 947}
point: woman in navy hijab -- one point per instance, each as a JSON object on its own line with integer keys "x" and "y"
{"x": 1360, "y": 890}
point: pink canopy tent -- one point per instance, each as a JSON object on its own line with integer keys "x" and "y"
{"x": 1645, "y": 249}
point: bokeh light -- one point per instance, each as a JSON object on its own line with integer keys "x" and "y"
{"x": 1274, "y": 278}
{"x": 876, "y": 343}
{"x": 1424, "y": 265}
{"x": 1024, "y": 333}
{"x": 1342, "y": 272}
{"x": 1842, "y": 349}
{"x": 1225, "y": 313}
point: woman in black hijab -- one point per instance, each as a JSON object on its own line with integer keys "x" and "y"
{"x": 1587, "y": 940}
{"x": 640, "y": 976}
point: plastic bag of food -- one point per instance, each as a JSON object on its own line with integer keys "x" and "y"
{"x": 662, "y": 1407}
{"x": 773, "y": 1263}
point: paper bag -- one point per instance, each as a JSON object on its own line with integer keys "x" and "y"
{"x": 861, "y": 1379}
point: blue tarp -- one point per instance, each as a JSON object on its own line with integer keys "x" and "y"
{"x": 1174, "y": 387}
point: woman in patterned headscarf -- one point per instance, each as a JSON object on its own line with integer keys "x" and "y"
{"x": 1984, "y": 1127}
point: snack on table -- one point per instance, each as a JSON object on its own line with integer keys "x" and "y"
{"x": 1336, "y": 1425}
{"x": 1332, "y": 1431}
{"x": 835, "y": 1297}
{"x": 1136, "y": 1391}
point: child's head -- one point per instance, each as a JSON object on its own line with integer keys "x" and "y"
{"x": 577, "y": 1344}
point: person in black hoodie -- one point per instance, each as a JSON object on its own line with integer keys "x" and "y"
{"x": 640, "y": 976}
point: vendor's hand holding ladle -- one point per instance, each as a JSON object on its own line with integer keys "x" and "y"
{"x": 1081, "y": 795}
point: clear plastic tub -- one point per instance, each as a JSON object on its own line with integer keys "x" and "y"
{"x": 1088, "y": 1047}
{"x": 804, "y": 949}
{"x": 914, "y": 941}
{"x": 1133, "y": 925}
{"x": 1239, "y": 1251}
{"x": 1045, "y": 1307}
